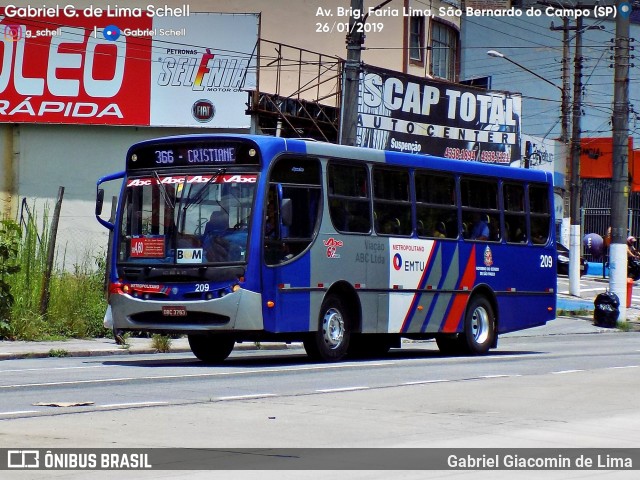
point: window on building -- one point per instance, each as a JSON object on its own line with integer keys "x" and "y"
{"x": 444, "y": 50}
{"x": 416, "y": 39}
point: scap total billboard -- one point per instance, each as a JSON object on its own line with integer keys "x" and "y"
{"x": 139, "y": 68}
{"x": 411, "y": 114}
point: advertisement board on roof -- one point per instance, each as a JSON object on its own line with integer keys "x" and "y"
{"x": 143, "y": 69}
{"x": 411, "y": 114}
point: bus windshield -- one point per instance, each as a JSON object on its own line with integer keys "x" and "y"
{"x": 186, "y": 218}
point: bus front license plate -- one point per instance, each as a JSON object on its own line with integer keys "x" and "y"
{"x": 174, "y": 311}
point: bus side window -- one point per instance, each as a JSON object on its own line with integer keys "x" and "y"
{"x": 515, "y": 216}
{"x": 292, "y": 213}
{"x": 539, "y": 214}
{"x": 436, "y": 208}
{"x": 392, "y": 204}
{"x": 348, "y": 189}
{"x": 480, "y": 208}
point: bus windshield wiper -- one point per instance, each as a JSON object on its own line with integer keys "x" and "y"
{"x": 198, "y": 197}
{"x": 163, "y": 191}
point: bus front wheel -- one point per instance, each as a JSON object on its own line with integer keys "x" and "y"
{"x": 331, "y": 342}
{"x": 211, "y": 348}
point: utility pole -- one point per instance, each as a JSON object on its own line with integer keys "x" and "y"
{"x": 351, "y": 79}
{"x": 566, "y": 70}
{"x": 566, "y": 123}
{"x": 574, "y": 156}
{"x": 574, "y": 232}
{"x": 620, "y": 181}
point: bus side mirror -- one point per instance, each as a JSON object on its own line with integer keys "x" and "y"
{"x": 99, "y": 201}
{"x": 286, "y": 212}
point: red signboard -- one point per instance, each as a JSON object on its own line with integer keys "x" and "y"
{"x": 64, "y": 70}
{"x": 150, "y": 67}
{"x": 147, "y": 247}
{"x": 596, "y": 157}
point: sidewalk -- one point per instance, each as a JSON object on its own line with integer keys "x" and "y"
{"x": 95, "y": 347}
{"x": 569, "y": 303}
{"x": 568, "y": 325}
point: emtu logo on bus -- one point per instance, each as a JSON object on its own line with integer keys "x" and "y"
{"x": 202, "y": 69}
{"x": 397, "y": 261}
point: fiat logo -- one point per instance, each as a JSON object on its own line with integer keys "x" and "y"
{"x": 203, "y": 110}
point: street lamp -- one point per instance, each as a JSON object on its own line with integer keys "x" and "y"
{"x": 496, "y": 54}
{"x": 574, "y": 186}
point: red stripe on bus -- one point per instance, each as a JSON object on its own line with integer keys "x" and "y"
{"x": 460, "y": 300}
{"x": 412, "y": 308}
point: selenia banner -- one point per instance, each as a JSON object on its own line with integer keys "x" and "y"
{"x": 411, "y": 114}
{"x": 164, "y": 67}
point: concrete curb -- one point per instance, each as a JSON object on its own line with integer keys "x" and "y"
{"x": 67, "y": 349}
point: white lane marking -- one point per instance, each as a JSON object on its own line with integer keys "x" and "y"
{"x": 198, "y": 375}
{"x": 626, "y": 366}
{"x": 562, "y": 372}
{"x": 18, "y": 370}
{"x": 495, "y": 376}
{"x": 422, "y": 382}
{"x": 247, "y": 397}
{"x": 505, "y": 357}
{"x": 18, "y": 412}
{"x": 343, "y": 389}
{"x": 131, "y": 404}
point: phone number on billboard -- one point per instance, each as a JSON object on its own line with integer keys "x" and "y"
{"x": 344, "y": 27}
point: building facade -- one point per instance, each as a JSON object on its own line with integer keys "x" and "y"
{"x": 297, "y": 45}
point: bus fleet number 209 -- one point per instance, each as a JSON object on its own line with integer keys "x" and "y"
{"x": 546, "y": 261}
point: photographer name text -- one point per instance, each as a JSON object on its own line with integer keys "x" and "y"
{"x": 109, "y": 11}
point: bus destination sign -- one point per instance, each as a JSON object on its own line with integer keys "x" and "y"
{"x": 196, "y": 155}
{"x": 162, "y": 156}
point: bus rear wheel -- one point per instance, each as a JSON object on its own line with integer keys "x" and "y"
{"x": 479, "y": 331}
{"x": 331, "y": 342}
{"x": 479, "y": 326}
{"x": 211, "y": 348}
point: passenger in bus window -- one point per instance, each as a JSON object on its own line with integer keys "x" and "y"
{"x": 441, "y": 230}
{"x": 480, "y": 228}
{"x": 215, "y": 245}
{"x": 537, "y": 236}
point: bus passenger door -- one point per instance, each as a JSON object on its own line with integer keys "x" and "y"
{"x": 291, "y": 217}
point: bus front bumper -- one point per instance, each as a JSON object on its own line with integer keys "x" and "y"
{"x": 240, "y": 310}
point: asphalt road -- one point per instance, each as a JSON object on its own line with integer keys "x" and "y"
{"x": 573, "y": 390}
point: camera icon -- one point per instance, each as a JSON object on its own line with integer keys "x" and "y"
{"x": 13, "y": 33}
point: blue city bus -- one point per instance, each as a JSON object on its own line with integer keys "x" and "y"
{"x": 233, "y": 238}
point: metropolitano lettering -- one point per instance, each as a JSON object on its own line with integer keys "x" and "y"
{"x": 81, "y": 59}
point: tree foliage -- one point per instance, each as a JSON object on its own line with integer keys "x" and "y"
{"x": 9, "y": 248}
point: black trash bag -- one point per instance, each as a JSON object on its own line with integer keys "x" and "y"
{"x": 606, "y": 310}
